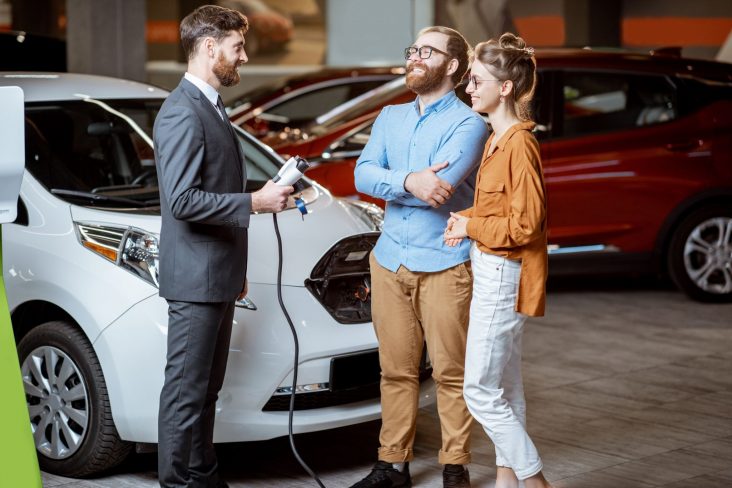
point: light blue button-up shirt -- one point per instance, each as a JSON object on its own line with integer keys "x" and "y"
{"x": 403, "y": 141}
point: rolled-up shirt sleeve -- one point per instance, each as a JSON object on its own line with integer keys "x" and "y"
{"x": 462, "y": 152}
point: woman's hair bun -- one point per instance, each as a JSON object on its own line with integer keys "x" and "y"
{"x": 511, "y": 41}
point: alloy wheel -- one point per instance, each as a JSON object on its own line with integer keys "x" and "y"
{"x": 58, "y": 401}
{"x": 708, "y": 255}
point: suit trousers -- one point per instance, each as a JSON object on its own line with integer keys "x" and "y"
{"x": 198, "y": 348}
{"x": 410, "y": 309}
{"x": 494, "y": 389}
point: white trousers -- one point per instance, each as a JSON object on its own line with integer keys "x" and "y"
{"x": 493, "y": 386}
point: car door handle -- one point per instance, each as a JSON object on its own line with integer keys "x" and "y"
{"x": 684, "y": 146}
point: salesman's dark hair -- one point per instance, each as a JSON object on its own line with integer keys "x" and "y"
{"x": 209, "y": 21}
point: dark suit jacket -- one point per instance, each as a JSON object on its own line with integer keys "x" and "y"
{"x": 205, "y": 214}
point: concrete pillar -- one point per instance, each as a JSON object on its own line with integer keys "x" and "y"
{"x": 45, "y": 17}
{"x": 373, "y": 32}
{"x": 478, "y": 20}
{"x": 107, "y": 37}
{"x": 592, "y": 23}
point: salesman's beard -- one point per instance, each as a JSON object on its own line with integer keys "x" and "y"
{"x": 428, "y": 81}
{"x": 226, "y": 72}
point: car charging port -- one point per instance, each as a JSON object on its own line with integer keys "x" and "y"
{"x": 341, "y": 279}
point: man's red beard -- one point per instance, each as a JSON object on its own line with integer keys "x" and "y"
{"x": 427, "y": 82}
{"x": 226, "y": 72}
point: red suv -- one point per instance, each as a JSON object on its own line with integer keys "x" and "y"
{"x": 637, "y": 157}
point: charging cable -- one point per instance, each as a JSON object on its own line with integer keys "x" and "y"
{"x": 289, "y": 174}
{"x": 297, "y": 358}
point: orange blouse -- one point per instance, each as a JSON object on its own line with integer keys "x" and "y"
{"x": 508, "y": 216}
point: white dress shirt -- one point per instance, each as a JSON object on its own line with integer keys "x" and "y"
{"x": 211, "y": 94}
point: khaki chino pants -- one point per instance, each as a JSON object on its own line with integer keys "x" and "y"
{"x": 409, "y": 309}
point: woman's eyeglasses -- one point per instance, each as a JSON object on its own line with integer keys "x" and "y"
{"x": 475, "y": 81}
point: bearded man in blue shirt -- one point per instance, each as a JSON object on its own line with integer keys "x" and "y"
{"x": 421, "y": 160}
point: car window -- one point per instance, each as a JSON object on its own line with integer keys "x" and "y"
{"x": 366, "y": 102}
{"x": 696, "y": 94}
{"x": 596, "y": 102}
{"x": 81, "y": 146}
{"x": 541, "y": 106}
{"x": 351, "y": 144}
{"x": 105, "y": 149}
{"x": 308, "y": 106}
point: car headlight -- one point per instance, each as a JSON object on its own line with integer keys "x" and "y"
{"x": 132, "y": 249}
{"x": 370, "y": 214}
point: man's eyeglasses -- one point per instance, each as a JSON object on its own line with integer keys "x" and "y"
{"x": 424, "y": 51}
{"x": 475, "y": 81}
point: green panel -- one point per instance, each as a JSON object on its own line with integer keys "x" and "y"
{"x": 18, "y": 462}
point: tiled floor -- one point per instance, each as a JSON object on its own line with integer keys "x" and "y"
{"x": 628, "y": 389}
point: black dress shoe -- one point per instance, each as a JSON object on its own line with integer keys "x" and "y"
{"x": 222, "y": 484}
{"x": 385, "y": 476}
{"x": 455, "y": 476}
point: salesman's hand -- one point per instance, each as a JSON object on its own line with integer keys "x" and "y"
{"x": 271, "y": 198}
{"x": 428, "y": 187}
{"x": 244, "y": 290}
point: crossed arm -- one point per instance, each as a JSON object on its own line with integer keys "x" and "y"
{"x": 391, "y": 180}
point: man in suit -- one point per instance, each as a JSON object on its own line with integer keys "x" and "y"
{"x": 203, "y": 241}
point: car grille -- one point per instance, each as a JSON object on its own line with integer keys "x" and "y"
{"x": 353, "y": 378}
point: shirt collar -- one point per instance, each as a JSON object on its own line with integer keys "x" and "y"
{"x": 210, "y": 92}
{"x": 441, "y": 103}
{"x": 528, "y": 125}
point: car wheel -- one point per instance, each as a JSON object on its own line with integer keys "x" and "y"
{"x": 700, "y": 254}
{"x": 67, "y": 401}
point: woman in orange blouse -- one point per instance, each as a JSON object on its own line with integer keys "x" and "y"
{"x": 507, "y": 225}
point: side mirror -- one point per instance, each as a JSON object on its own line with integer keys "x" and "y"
{"x": 12, "y": 158}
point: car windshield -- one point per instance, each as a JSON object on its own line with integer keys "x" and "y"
{"x": 361, "y": 105}
{"x": 254, "y": 97}
{"x": 100, "y": 153}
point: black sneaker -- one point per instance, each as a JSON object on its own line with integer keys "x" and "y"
{"x": 455, "y": 476}
{"x": 385, "y": 476}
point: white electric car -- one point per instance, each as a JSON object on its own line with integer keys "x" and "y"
{"x": 80, "y": 267}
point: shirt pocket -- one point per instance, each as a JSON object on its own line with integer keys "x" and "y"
{"x": 491, "y": 197}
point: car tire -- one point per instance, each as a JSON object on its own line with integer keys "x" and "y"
{"x": 700, "y": 254}
{"x": 68, "y": 403}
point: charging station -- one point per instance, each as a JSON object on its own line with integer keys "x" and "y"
{"x": 18, "y": 461}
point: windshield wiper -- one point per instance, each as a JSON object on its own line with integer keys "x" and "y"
{"x": 101, "y": 198}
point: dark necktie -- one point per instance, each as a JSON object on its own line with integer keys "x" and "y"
{"x": 222, "y": 109}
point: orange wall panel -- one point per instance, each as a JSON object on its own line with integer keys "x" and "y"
{"x": 541, "y": 30}
{"x": 675, "y": 31}
{"x": 162, "y": 31}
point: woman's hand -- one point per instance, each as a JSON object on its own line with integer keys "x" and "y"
{"x": 456, "y": 230}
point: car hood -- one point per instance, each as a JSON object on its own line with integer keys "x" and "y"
{"x": 305, "y": 239}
